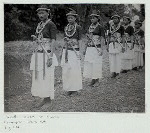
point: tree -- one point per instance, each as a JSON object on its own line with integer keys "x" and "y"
{"x": 21, "y": 19}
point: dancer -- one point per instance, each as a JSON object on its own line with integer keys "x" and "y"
{"x": 94, "y": 50}
{"x": 128, "y": 55}
{"x": 139, "y": 45}
{"x": 116, "y": 33}
{"x": 71, "y": 66}
{"x": 43, "y": 60}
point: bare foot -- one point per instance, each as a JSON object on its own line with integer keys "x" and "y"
{"x": 92, "y": 82}
{"x": 45, "y": 101}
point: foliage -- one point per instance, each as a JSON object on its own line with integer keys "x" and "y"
{"x": 14, "y": 28}
{"x": 21, "y": 20}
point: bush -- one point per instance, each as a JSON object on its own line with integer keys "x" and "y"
{"x": 14, "y": 29}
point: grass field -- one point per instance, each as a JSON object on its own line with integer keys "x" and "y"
{"x": 125, "y": 93}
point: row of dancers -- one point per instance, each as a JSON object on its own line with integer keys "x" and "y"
{"x": 125, "y": 46}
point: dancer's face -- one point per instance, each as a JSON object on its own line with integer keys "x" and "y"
{"x": 43, "y": 15}
{"x": 71, "y": 19}
{"x": 126, "y": 21}
{"x": 94, "y": 19}
{"x": 116, "y": 20}
{"x": 137, "y": 25}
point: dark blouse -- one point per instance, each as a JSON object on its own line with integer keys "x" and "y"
{"x": 77, "y": 34}
{"x": 140, "y": 33}
{"x": 129, "y": 30}
{"x": 99, "y": 31}
{"x": 49, "y": 30}
{"x": 120, "y": 30}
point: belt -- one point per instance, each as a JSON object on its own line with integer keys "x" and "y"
{"x": 77, "y": 49}
{"x": 115, "y": 41}
{"x": 99, "y": 46}
{"x": 41, "y": 51}
{"x": 46, "y": 39}
{"x": 136, "y": 44}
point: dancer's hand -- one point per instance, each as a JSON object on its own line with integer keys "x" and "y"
{"x": 123, "y": 50}
{"x": 142, "y": 47}
{"x": 132, "y": 46}
{"x": 84, "y": 52}
{"x": 107, "y": 48}
{"x": 66, "y": 60}
{"x": 87, "y": 34}
{"x": 49, "y": 62}
{"x": 100, "y": 52}
{"x": 79, "y": 57}
{"x": 34, "y": 37}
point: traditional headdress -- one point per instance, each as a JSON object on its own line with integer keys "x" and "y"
{"x": 115, "y": 15}
{"x": 43, "y": 8}
{"x": 127, "y": 16}
{"x": 95, "y": 13}
{"x": 72, "y": 13}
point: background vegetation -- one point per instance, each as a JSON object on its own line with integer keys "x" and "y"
{"x": 21, "y": 20}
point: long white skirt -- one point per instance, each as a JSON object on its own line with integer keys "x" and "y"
{"x": 43, "y": 87}
{"x": 71, "y": 72}
{"x": 138, "y": 60}
{"x": 92, "y": 64}
{"x": 115, "y": 57}
{"x": 127, "y": 59}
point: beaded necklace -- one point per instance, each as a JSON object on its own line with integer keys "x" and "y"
{"x": 41, "y": 26}
{"x": 136, "y": 31}
{"x": 136, "y": 36}
{"x": 70, "y": 28}
{"x": 127, "y": 36}
{"x": 126, "y": 26}
{"x": 93, "y": 27}
{"x": 113, "y": 29}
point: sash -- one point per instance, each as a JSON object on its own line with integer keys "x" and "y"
{"x": 39, "y": 30}
{"x": 36, "y": 61}
{"x": 113, "y": 29}
{"x": 66, "y": 52}
{"x": 36, "y": 64}
{"x": 43, "y": 63}
{"x": 91, "y": 39}
{"x": 136, "y": 39}
{"x": 127, "y": 36}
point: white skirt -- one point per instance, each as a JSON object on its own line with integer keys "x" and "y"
{"x": 42, "y": 87}
{"x": 114, "y": 48}
{"x": 127, "y": 59}
{"x": 115, "y": 57}
{"x": 138, "y": 61}
{"x": 71, "y": 72}
{"x": 138, "y": 54}
{"x": 92, "y": 64}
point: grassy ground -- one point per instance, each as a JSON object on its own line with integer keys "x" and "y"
{"x": 124, "y": 94}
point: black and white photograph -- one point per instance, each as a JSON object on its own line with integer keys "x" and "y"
{"x": 74, "y": 58}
